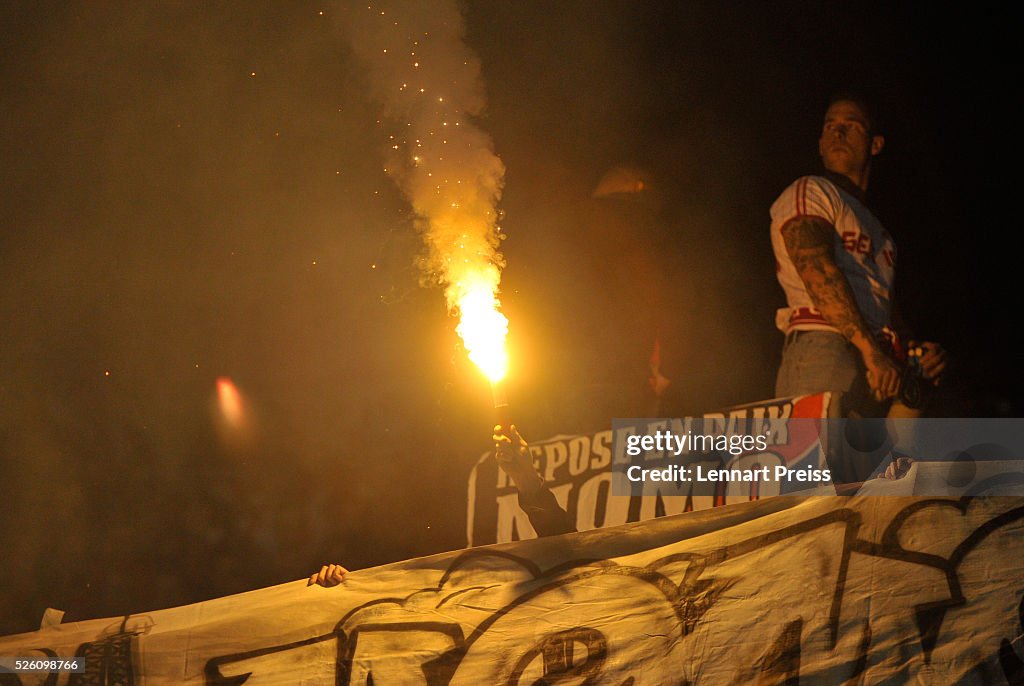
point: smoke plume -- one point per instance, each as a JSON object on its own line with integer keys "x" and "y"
{"x": 428, "y": 85}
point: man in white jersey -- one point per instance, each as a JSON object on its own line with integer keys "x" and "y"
{"x": 836, "y": 263}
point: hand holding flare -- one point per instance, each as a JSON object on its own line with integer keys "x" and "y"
{"x": 513, "y": 456}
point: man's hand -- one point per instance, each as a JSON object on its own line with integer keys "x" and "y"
{"x": 932, "y": 358}
{"x": 883, "y": 374}
{"x": 897, "y": 469}
{"x": 513, "y": 456}
{"x": 329, "y": 575}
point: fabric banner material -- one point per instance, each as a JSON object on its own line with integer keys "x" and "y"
{"x": 578, "y": 470}
{"x": 825, "y": 590}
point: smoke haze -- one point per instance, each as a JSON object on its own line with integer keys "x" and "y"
{"x": 197, "y": 191}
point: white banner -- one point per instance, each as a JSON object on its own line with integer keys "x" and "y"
{"x": 578, "y": 470}
{"x": 826, "y": 590}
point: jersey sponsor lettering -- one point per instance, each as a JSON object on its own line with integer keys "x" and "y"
{"x": 856, "y": 243}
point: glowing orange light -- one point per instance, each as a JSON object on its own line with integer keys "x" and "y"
{"x": 483, "y": 330}
{"x": 230, "y": 401}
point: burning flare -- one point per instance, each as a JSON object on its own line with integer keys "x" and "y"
{"x": 483, "y": 329}
{"x": 427, "y": 82}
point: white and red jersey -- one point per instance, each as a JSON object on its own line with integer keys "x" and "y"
{"x": 864, "y": 252}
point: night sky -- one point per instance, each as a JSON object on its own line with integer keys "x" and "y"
{"x": 195, "y": 191}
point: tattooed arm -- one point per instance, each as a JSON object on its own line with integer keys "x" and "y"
{"x": 810, "y": 243}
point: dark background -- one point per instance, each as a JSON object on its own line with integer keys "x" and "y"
{"x": 169, "y": 219}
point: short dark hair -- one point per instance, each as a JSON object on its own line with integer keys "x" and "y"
{"x": 860, "y": 101}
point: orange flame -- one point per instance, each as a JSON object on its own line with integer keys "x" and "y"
{"x": 442, "y": 161}
{"x": 483, "y": 329}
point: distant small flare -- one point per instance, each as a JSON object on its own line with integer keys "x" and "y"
{"x": 230, "y": 401}
{"x": 621, "y": 181}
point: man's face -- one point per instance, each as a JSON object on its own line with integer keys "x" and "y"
{"x": 846, "y": 144}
